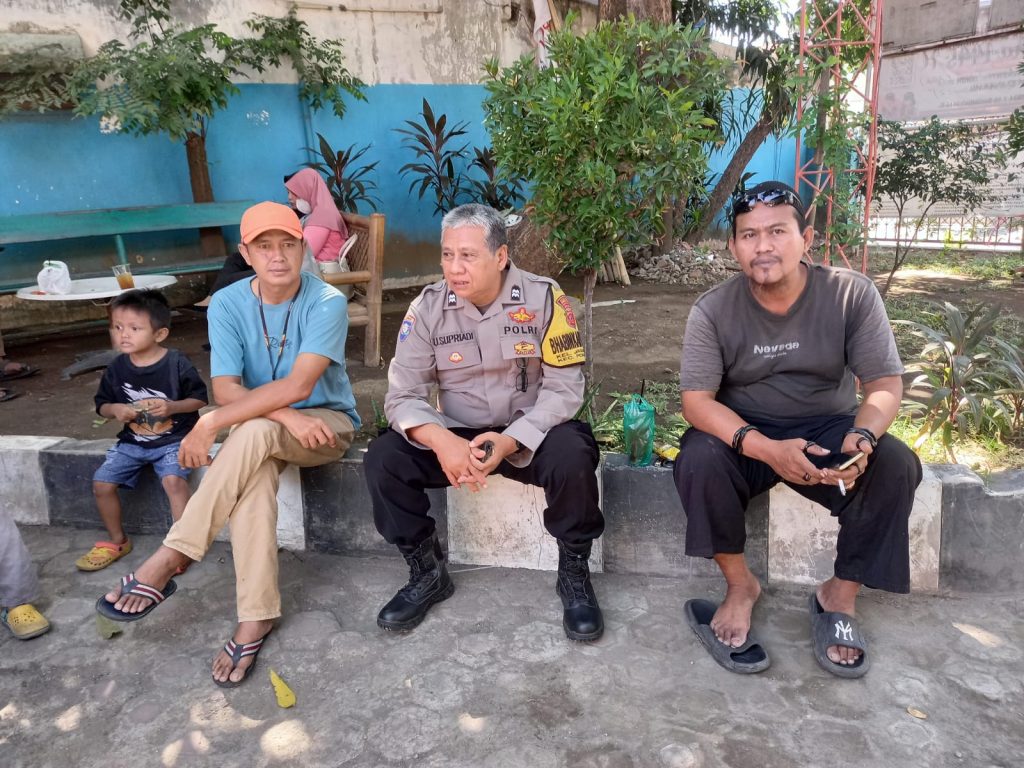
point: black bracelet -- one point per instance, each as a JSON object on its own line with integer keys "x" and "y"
{"x": 739, "y": 435}
{"x": 866, "y": 434}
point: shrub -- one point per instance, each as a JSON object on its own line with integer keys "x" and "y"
{"x": 964, "y": 384}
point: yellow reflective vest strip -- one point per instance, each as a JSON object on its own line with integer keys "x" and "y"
{"x": 563, "y": 344}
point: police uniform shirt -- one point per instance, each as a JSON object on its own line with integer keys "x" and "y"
{"x": 483, "y": 360}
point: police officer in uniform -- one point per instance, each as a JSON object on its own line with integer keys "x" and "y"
{"x": 503, "y": 349}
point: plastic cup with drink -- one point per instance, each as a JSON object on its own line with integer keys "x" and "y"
{"x": 123, "y": 275}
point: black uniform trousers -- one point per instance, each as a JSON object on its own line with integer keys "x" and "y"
{"x": 716, "y": 484}
{"x": 564, "y": 465}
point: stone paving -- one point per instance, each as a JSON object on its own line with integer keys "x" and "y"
{"x": 489, "y": 680}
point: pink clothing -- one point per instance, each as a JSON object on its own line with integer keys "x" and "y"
{"x": 323, "y": 242}
{"x": 308, "y": 185}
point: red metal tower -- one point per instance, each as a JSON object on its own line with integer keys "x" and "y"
{"x": 823, "y": 26}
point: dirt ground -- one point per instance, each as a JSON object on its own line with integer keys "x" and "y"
{"x": 633, "y": 341}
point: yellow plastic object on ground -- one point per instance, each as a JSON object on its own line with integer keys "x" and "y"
{"x": 285, "y": 695}
{"x": 667, "y": 452}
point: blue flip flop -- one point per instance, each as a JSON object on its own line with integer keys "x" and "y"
{"x": 748, "y": 659}
{"x": 132, "y": 586}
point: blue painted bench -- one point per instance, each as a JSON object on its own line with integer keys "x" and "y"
{"x": 366, "y": 257}
{"x": 116, "y": 222}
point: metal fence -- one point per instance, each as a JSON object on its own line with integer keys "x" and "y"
{"x": 996, "y": 233}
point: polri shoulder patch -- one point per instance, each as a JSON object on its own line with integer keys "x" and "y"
{"x": 407, "y": 326}
{"x": 562, "y": 345}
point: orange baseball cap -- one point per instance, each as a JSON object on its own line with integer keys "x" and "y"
{"x": 264, "y": 217}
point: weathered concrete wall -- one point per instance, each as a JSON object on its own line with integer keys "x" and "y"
{"x": 1005, "y": 13}
{"x": 386, "y": 41}
{"x": 912, "y": 22}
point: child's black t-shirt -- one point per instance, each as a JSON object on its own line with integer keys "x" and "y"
{"x": 173, "y": 377}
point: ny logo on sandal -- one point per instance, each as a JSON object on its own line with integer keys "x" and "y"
{"x": 844, "y": 632}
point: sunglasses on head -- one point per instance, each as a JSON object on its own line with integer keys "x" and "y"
{"x": 770, "y": 197}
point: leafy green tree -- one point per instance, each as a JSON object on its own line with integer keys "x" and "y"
{"x": 173, "y": 79}
{"x": 607, "y": 136}
{"x": 934, "y": 163}
{"x": 766, "y": 60}
{"x": 34, "y": 82}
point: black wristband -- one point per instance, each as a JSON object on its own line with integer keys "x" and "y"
{"x": 865, "y": 434}
{"x": 739, "y": 435}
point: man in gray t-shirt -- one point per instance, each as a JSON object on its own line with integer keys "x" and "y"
{"x": 769, "y": 371}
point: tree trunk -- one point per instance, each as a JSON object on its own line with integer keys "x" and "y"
{"x": 211, "y": 240}
{"x": 589, "y": 281}
{"x": 730, "y": 177}
{"x": 820, "y": 125}
{"x": 659, "y": 11}
{"x": 608, "y": 10}
{"x": 668, "y": 224}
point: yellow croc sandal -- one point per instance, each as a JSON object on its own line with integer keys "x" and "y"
{"x": 103, "y": 554}
{"x": 24, "y": 621}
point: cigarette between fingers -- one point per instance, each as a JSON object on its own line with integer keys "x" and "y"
{"x": 842, "y": 488}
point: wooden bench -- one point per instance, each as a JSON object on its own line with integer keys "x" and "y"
{"x": 40, "y": 227}
{"x": 366, "y": 260}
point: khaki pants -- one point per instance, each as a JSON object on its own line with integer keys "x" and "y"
{"x": 240, "y": 488}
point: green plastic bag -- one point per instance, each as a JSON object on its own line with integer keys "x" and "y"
{"x": 638, "y": 431}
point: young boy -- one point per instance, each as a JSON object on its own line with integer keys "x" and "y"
{"x": 157, "y": 393}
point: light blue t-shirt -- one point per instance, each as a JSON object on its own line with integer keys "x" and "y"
{"x": 318, "y": 325}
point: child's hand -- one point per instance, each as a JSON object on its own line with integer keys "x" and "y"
{"x": 160, "y": 408}
{"x": 124, "y": 413}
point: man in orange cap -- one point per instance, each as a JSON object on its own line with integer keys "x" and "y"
{"x": 277, "y": 363}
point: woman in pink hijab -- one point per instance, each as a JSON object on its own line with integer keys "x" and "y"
{"x": 322, "y": 226}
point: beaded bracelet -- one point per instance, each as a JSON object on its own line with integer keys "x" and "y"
{"x": 739, "y": 435}
{"x": 865, "y": 434}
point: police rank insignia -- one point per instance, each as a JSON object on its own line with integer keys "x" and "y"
{"x": 521, "y": 316}
{"x": 524, "y": 348}
{"x": 452, "y": 299}
{"x": 407, "y": 324}
{"x": 516, "y": 293}
{"x": 455, "y": 357}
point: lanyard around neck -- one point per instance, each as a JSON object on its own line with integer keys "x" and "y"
{"x": 266, "y": 333}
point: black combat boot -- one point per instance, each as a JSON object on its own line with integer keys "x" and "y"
{"x": 582, "y": 618}
{"x": 429, "y": 583}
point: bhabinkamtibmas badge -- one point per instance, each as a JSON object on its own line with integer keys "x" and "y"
{"x": 562, "y": 345}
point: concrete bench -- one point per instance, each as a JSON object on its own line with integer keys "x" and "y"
{"x": 964, "y": 534}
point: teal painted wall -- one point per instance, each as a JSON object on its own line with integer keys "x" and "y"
{"x": 55, "y": 162}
